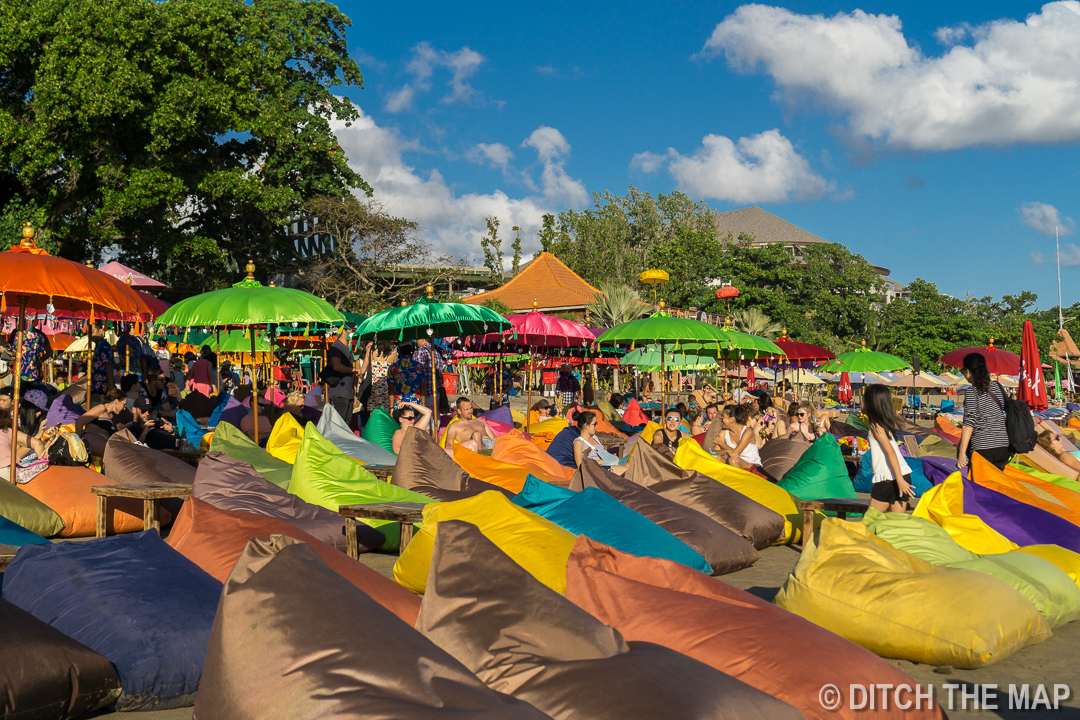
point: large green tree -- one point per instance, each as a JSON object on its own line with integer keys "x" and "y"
{"x": 187, "y": 133}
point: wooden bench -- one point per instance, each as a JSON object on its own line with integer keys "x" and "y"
{"x": 841, "y": 506}
{"x": 382, "y": 472}
{"x": 405, "y": 513}
{"x": 149, "y": 493}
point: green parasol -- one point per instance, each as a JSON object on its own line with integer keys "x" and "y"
{"x": 864, "y": 360}
{"x": 649, "y": 359}
{"x": 235, "y": 341}
{"x": 427, "y": 319}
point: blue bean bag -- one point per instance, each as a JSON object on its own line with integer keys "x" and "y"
{"x": 189, "y": 427}
{"x": 864, "y": 479}
{"x": 594, "y": 513}
{"x": 223, "y": 402}
{"x": 14, "y": 534}
{"x": 131, "y": 598}
{"x": 562, "y": 447}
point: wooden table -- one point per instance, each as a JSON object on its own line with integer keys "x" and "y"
{"x": 405, "y": 513}
{"x": 382, "y": 472}
{"x": 149, "y": 493}
{"x": 7, "y": 554}
{"x": 841, "y": 506}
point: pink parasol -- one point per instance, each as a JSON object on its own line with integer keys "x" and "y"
{"x": 999, "y": 362}
{"x": 138, "y": 280}
{"x": 1032, "y": 389}
{"x": 539, "y": 330}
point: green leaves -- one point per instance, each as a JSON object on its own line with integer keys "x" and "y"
{"x": 146, "y": 124}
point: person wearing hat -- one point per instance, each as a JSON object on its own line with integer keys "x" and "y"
{"x": 151, "y": 431}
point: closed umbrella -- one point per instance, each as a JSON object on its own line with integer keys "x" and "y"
{"x": 844, "y": 393}
{"x": 1032, "y": 389}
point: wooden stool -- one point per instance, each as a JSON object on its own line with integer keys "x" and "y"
{"x": 149, "y": 493}
{"x": 382, "y": 472}
{"x": 841, "y": 506}
{"x": 405, "y": 513}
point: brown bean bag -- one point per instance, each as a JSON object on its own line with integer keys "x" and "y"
{"x": 66, "y": 490}
{"x": 200, "y": 406}
{"x": 780, "y": 455}
{"x": 424, "y": 467}
{"x": 724, "y": 550}
{"x": 126, "y": 463}
{"x": 293, "y": 640}
{"x": 231, "y": 484}
{"x": 735, "y": 632}
{"x": 213, "y": 539}
{"x": 45, "y": 674}
{"x": 735, "y": 511}
{"x": 524, "y": 639}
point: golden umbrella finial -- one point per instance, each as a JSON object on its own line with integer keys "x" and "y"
{"x": 662, "y": 306}
{"x": 864, "y": 344}
{"x": 430, "y": 291}
{"x": 991, "y": 342}
{"x": 534, "y": 304}
{"x": 89, "y": 264}
{"x": 128, "y": 280}
{"x": 28, "y": 236}
{"x": 250, "y": 270}
{"x": 402, "y": 302}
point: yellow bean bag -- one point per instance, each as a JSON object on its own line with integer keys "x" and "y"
{"x": 325, "y": 476}
{"x": 1067, "y": 560}
{"x": 518, "y": 417}
{"x": 536, "y": 544}
{"x": 446, "y": 431}
{"x": 898, "y": 606}
{"x": 943, "y": 504}
{"x": 285, "y": 438}
{"x": 691, "y": 456}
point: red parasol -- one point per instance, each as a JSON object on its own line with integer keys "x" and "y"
{"x": 845, "y": 394}
{"x": 750, "y": 379}
{"x": 136, "y": 278}
{"x": 1032, "y": 389}
{"x": 999, "y": 362}
{"x": 798, "y": 354}
{"x": 158, "y": 307}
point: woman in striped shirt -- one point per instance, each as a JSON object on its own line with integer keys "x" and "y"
{"x": 984, "y": 416}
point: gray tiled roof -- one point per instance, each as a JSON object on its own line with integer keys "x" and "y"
{"x": 764, "y": 226}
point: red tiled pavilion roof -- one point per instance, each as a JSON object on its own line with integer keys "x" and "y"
{"x": 545, "y": 280}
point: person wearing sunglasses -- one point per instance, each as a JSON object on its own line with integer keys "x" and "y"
{"x": 667, "y": 438}
{"x": 805, "y": 424}
{"x": 588, "y": 448}
{"x": 407, "y": 415}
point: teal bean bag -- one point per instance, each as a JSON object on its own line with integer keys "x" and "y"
{"x": 23, "y": 509}
{"x": 820, "y": 473}
{"x": 594, "y": 513}
{"x": 864, "y": 479}
{"x": 189, "y": 427}
{"x": 380, "y": 429}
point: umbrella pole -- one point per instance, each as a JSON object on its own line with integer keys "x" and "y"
{"x": 434, "y": 398}
{"x": 498, "y": 382}
{"x": 16, "y": 378}
{"x": 528, "y": 402}
{"x": 663, "y": 382}
{"x": 254, "y": 386}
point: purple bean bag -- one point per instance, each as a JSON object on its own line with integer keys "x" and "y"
{"x": 1022, "y": 523}
{"x": 63, "y": 411}
{"x": 233, "y": 413}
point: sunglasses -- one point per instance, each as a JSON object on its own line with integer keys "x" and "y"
{"x": 410, "y": 418}
{"x": 802, "y": 414}
{"x": 673, "y": 418}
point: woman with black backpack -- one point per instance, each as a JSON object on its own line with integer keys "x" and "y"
{"x": 984, "y": 430}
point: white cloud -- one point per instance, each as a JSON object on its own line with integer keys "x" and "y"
{"x": 1045, "y": 219}
{"x": 551, "y": 146}
{"x": 758, "y": 169}
{"x": 1013, "y": 82}
{"x": 495, "y": 154}
{"x": 452, "y": 222}
{"x": 462, "y": 65}
{"x": 1070, "y": 256}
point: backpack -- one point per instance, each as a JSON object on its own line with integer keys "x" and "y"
{"x": 68, "y": 449}
{"x": 1018, "y": 424}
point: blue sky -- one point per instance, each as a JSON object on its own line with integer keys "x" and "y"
{"x": 936, "y": 139}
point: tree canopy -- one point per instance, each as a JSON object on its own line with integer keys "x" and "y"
{"x": 187, "y": 133}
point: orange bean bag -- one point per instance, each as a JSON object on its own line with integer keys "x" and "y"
{"x": 513, "y": 448}
{"x": 1031, "y": 490}
{"x": 946, "y": 427}
{"x": 1074, "y": 422}
{"x": 67, "y": 491}
{"x": 506, "y": 475}
{"x": 214, "y": 539}
{"x": 662, "y": 602}
{"x": 603, "y": 426}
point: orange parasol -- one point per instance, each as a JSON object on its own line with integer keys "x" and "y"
{"x": 37, "y": 282}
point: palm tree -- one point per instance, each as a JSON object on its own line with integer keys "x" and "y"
{"x": 754, "y": 322}
{"x": 616, "y": 304}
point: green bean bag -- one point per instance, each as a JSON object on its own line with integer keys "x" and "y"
{"x": 323, "y": 475}
{"x": 819, "y": 473}
{"x": 231, "y": 441}
{"x": 380, "y": 429}
{"x": 24, "y": 509}
{"x": 1047, "y": 587}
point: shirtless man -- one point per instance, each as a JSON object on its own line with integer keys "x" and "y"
{"x": 467, "y": 431}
